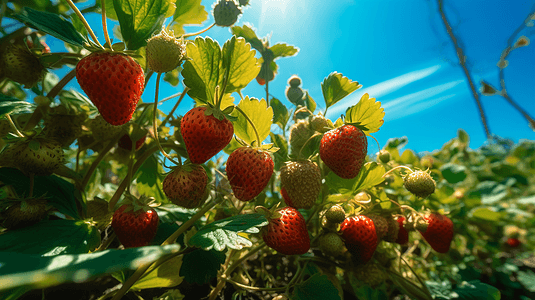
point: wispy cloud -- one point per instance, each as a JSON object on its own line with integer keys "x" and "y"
{"x": 384, "y": 88}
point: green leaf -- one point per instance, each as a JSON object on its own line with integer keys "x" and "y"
{"x": 224, "y": 233}
{"x": 240, "y": 62}
{"x": 453, "y": 173}
{"x": 489, "y": 192}
{"x": 249, "y": 35}
{"x": 408, "y": 157}
{"x": 463, "y": 137}
{"x": 52, "y": 24}
{"x": 281, "y": 155}
{"x": 367, "y": 113}
{"x": 20, "y": 269}
{"x": 336, "y": 86}
{"x": 201, "y": 266}
{"x": 370, "y": 175}
{"x": 486, "y": 214}
{"x": 140, "y": 19}
{"x": 171, "y": 213}
{"x": 59, "y": 193}
{"x": 527, "y": 279}
{"x": 165, "y": 275}
{"x": 477, "y": 290}
{"x": 150, "y": 172}
{"x": 316, "y": 287}
{"x": 259, "y": 113}
{"x": 283, "y": 50}
{"x": 188, "y": 12}
{"x": 51, "y": 237}
{"x": 280, "y": 113}
{"x": 11, "y": 105}
{"x": 310, "y": 103}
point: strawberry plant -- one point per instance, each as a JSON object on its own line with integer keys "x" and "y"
{"x": 244, "y": 196}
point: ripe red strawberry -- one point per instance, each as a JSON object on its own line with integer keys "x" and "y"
{"x": 249, "y": 171}
{"x": 186, "y": 185}
{"x": 38, "y": 156}
{"x": 287, "y": 234}
{"x": 260, "y": 80}
{"x": 125, "y": 142}
{"x": 344, "y": 150}
{"x": 439, "y": 232}
{"x": 403, "y": 234}
{"x": 360, "y": 237}
{"x": 393, "y": 230}
{"x": 135, "y": 223}
{"x": 114, "y": 82}
{"x": 300, "y": 183}
{"x": 513, "y": 242}
{"x": 204, "y": 135}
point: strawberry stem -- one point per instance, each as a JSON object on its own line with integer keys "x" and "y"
{"x": 186, "y": 89}
{"x": 86, "y": 25}
{"x": 59, "y": 86}
{"x": 252, "y": 124}
{"x": 13, "y": 126}
{"x": 104, "y": 24}
{"x": 398, "y": 167}
{"x": 97, "y": 161}
{"x": 307, "y": 141}
{"x": 198, "y": 32}
{"x": 154, "y": 122}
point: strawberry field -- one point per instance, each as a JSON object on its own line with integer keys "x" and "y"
{"x": 106, "y": 195}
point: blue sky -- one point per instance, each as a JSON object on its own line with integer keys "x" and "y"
{"x": 401, "y": 54}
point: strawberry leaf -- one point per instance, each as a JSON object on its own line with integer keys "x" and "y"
{"x": 240, "y": 63}
{"x": 201, "y": 266}
{"x": 189, "y": 12}
{"x": 11, "y": 105}
{"x": 370, "y": 175}
{"x": 318, "y": 287}
{"x": 224, "y": 233}
{"x": 51, "y": 237}
{"x": 249, "y": 35}
{"x": 336, "y": 86}
{"x": 51, "y": 24}
{"x": 280, "y": 113}
{"x": 282, "y": 154}
{"x": 165, "y": 275}
{"x": 140, "y": 19}
{"x": 368, "y": 113}
{"x": 22, "y": 269}
{"x": 259, "y": 113}
{"x": 283, "y": 50}
{"x": 309, "y": 102}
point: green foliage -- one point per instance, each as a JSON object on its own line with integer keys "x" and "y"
{"x": 261, "y": 116}
{"x": 189, "y": 12}
{"x": 336, "y": 87}
{"x": 11, "y": 105}
{"x": 370, "y": 175}
{"x": 224, "y": 233}
{"x": 165, "y": 275}
{"x": 280, "y": 113}
{"x": 140, "y": 19}
{"x": 201, "y": 266}
{"x": 316, "y": 287}
{"x": 367, "y": 113}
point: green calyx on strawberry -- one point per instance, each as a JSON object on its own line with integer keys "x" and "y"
{"x": 360, "y": 237}
{"x": 21, "y": 65}
{"x": 419, "y": 183}
{"x": 36, "y": 155}
{"x": 20, "y": 213}
{"x": 205, "y": 131}
{"x": 249, "y": 171}
{"x": 439, "y": 232}
{"x": 226, "y": 13}
{"x": 165, "y": 52}
{"x": 344, "y": 150}
{"x": 286, "y": 232}
{"x": 114, "y": 82}
{"x": 300, "y": 183}
{"x": 186, "y": 185}
{"x": 135, "y": 223}
{"x": 332, "y": 244}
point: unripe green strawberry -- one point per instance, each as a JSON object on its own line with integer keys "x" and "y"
{"x": 299, "y": 135}
{"x": 64, "y": 128}
{"x": 320, "y": 124}
{"x": 370, "y": 274}
{"x": 381, "y": 225}
{"x": 383, "y": 156}
{"x": 295, "y": 95}
{"x": 5, "y": 128}
{"x": 21, "y": 65}
{"x": 294, "y": 81}
{"x": 288, "y": 233}
{"x": 102, "y": 130}
{"x": 335, "y": 214}
{"x": 331, "y": 244}
{"x": 7, "y": 156}
{"x": 24, "y": 212}
{"x": 226, "y": 13}
{"x": 165, "y": 52}
{"x": 300, "y": 183}
{"x": 135, "y": 223}
{"x": 249, "y": 171}
{"x": 38, "y": 156}
{"x": 186, "y": 185}
{"x": 344, "y": 150}
{"x": 393, "y": 230}
{"x": 419, "y": 183}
